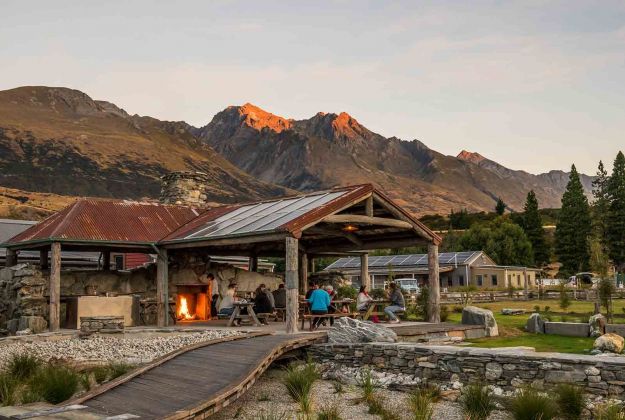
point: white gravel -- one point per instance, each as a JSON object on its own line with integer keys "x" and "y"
{"x": 108, "y": 348}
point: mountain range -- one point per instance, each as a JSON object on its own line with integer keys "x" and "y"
{"x": 60, "y": 141}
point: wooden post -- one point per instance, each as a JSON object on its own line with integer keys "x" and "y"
{"x": 11, "y": 258}
{"x": 303, "y": 273}
{"x": 311, "y": 265}
{"x": 55, "y": 287}
{"x": 434, "y": 314}
{"x": 162, "y": 289}
{"x": 291, "y": 280}
{"x": 527, "y": 296}
{"x": 43, "y": 259}
{"x": 365, "y": 280}
{"x": 369, "y": 207}
{"x": 106, "y": 261}
{"x": 253, "y": 264}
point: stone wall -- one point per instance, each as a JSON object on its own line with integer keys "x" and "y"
{"x": 505, "y": 368}
{"x": 184, "y": 188}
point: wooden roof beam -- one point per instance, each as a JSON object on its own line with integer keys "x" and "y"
{"x": 367, "y": 220}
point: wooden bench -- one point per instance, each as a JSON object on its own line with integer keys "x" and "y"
{"x": 312, "y": 317}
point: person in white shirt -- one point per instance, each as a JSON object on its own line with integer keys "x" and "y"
{"x": 214, "y": 287}
{"x": 363, "y": 300}
{"x": 226, "y": 306}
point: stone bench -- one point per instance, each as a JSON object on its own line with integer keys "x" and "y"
{"x": 101, "y": 324}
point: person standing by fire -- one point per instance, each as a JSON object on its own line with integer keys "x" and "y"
{"x": 214, "y": 288}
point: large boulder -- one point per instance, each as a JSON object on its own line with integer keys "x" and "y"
{"x": 472, "y": 315}
{"x": 535, "y": 324}
{"x": 36, "y": 324}
{"x": 348, "y": 330}
{"x": 597, "y": 325}
{"x": 609, "y": 343}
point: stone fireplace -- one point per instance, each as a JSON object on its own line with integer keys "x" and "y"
{"x": 193, "y": 303}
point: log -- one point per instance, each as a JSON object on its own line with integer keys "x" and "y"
{"x": 55, "y": 287}
{"x": 434, "y": 309}
{"x": 365, "y": 280}
{"x": 162, "y": 289}
{"x": 367, "y": 220}
{"x": 369, "y": 206}
{"x": 292, "y": 284}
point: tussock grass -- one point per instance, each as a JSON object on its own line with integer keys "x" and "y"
{"x": 23, "y": 366}
{"x": 117, "y": 369}
{"x": 330, "y": 412}
{"x": 368, "y": 384}
{"x": 610, "y": 411}
{"x": 477, "y": 402}
{"x": 299, "y": 381}
{"x": 571, "y": 401}
{"x": 55, "y": 383}
{"x": 529, "y": 404}
{"x": 8, "y": 387}
{"x": 421, "y": 404}
{"x": 100, "y": 374}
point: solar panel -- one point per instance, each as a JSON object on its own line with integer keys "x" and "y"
{"x": 444, "y": 258}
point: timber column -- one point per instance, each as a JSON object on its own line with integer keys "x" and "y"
{"x": 55, "y": 287}
{"x": 292, "y": 284}
{"x": 11, "y": 258}
{"x": 303, "y": 273}
{"x": 365, "y": 280}
{"x": 162, "y": 289}
{"x": 434, "y": 298}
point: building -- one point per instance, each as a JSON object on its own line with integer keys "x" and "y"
{"x": 455, "y": 268}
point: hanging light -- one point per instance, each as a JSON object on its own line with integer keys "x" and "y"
{"x": 350, "y": 228}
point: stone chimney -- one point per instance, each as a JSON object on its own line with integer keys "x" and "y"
{"x": 188, "y": 188}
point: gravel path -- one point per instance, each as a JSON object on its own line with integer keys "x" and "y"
{"x": 268, "y": 395}
{"x": 107, "y": 348}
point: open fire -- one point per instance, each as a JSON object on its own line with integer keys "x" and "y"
{"x": 183, "y": 310}
{"x": 192, "y": 303}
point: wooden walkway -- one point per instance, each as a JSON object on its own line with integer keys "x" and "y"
{"x": 197, "y": 383}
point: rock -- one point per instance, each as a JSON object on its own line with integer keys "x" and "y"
{"x": 535, "y": 324}
{"x": 493, "y": 371}
{"x": 348, "y": 330}
{"x": 597, "y": 325}
{"x": 12, "y": 325}
{"x": 609, "y": 342}
{"x": 512, "y": 311}
{"x": 27, "y": 331}
{"x": 36, "y": 324}
{"x": 472, "y": 315}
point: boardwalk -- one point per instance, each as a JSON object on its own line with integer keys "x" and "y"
{"x": 199, "y": 382}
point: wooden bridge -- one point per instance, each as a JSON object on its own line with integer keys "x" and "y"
{"x": 194, "y": 382}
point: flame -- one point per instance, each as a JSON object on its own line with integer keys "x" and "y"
{"x": 183, "y": 310}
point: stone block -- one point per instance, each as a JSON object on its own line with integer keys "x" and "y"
{"x": 535, "y": 324}
{"x": 618, "y": 329}
{"x": 472, "y": 315}
{"x": 571, "y": 329}
{"x": 560, "y": 376}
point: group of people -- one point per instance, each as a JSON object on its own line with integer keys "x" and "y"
{"x": 265, "y": 300}
{"x": 398, "y": 304}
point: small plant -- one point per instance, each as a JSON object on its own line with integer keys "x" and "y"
{"x": 477, "y": 402}
{"x": 299, "y": 382}
{"x": 330, "y": 412}
{"x": 457, "y": 309}
{"x": 444, "y": 313}
{"x": 8, "y": 386}
{"x": 376, "y": 407}
{"x": 536, "y": 308}
{"x": 117, "y": 369}
{"x": 610, "y": 411}
{"x": 529, "y": 404}
{"x": 368, "y": 384}
{"x": 421, "y": 404}
{"x": 100, "y": 374}
{"x": 23, "y": 366}
{"x": 564, "y": 300}
{"x": 571, "y": 401}
{"x": 55, "y": 383}
{"x": 547, "y": 308}
{"x": 263, "y": 397}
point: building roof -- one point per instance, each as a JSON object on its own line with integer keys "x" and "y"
{"x": 9, "y": 228}
{"x": 112, "y": 221}
{"x": 444, "y": 258}
{"x": 284, "y": 214}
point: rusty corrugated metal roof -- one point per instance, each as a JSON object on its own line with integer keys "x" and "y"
{"x": 119, "y": 221}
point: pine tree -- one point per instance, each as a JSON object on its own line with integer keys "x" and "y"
{"x": 573, "y": 227}
{"x": 533, "y": 227}
{"x": 616, "y": 213}
{"x": 500, "y": 207}
{"x": 600, "y": 206}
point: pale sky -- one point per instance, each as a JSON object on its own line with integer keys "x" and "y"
{"x": 534, "y": 85}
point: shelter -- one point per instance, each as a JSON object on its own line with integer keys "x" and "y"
{"x": 340, "y": 221}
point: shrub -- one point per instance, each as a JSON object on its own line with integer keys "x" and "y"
{"x": 377, "y": 293}
{"x": 547, "y": 308}
{"x": 330, "y": 412}
{"x": 610, "y": 411}
{"x": 536, "y": 308}
{"x": 457, "y": 309}
{"x": 421, "y": 405}
{"x": 23, "y": 366}
{"x": 444, "y": 313}
{"x": 571, "y": 401}
{"x": 8, "y": 385}
{"x": 100, "y": 374}
{"x": 55, "y": 383}
{"x": 347, "y": 292}
{"x": 299, "y": 382}
{"x": 477, "y": 402}
{"x": 117, "y": 369}
{"x": 529, "y": 404}
{"x": 29, "y": 396}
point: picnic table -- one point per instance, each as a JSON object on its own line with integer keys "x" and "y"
{"x": 341, "y": 306}
{"x": 238, "y": 316}
{"x": 376, "y": 307}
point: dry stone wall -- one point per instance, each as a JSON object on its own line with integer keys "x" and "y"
{"x": 508, "y": 369}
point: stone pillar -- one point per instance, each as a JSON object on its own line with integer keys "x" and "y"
{"x": 106, "y": 261}
{"x": 55, "y": 287}
{"x": 43, "y": 259}
{"x": 434, "y": 314}
{"x": 292, "y": 285}
{"x": 162, "y": 289}
{"x": 365, "y": 280}
{"x": 11, "y": 258}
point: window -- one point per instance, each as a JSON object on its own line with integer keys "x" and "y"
{"x": 461, "y": 280}
{"x": 479, "y": 279}
{"x": 119, "y": 262}
{"x": 494, "y": 279}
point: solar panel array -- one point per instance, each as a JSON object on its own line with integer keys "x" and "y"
{"x": 261, "y": 217}
{"x": 445, "y": 258}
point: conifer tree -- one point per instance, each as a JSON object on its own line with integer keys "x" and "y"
{"x": 500, "y": 207}
{"x": 533, "y": 227}
{"x": 573, "y": 227}
{"x": 616, "y": 213}
{"x": 600, "y": 206}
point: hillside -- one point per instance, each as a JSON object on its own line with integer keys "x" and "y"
{"x": 335, "y": 149}
{"x": 59, "y": 140}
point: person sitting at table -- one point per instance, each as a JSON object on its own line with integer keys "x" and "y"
{"x": 363, "y": 300}
{"x": 397, "y": 303}
{"x": 311, "y": 287}
{"x": 262, "y": 303}
{"x": 332, "y": 309}
{"x": 319, "y": 302}
{"x": 226, "y": 306}
{"x": 279, "y": 296}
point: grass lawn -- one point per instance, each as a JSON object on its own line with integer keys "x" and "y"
{"x": 511, "y": 327}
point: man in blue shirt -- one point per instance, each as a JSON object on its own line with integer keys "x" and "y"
{"x": 319, "y": 302}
